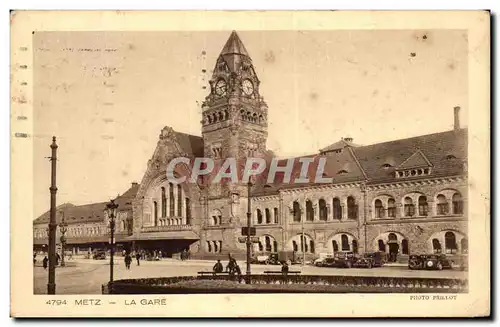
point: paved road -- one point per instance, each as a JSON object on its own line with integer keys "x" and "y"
{"x": 87, "y": 276}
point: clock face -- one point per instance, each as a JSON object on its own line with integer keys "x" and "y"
{"x": 247, "y": 86}
{"x": 220, "y": 87}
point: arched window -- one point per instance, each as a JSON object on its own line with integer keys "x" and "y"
{"x": 209, "y": 246}
{"x": 423, "y": 207}
{"x": 179, "y": 200}
{"x": 355, "y": 246}
{"x": 297, "y": 215}
{"x": 220, "y": 246}
{"x": 155, "y": 205}
{"x": 379, "y": 209}
{"x": 188, "y": 211}
{"x": 337, "y": 209}
{"x": 458, "y": 205}
{"x": 404, "y": 246}
{"x": 450, "y": 242}
{"x": 261, "y": 247}
{"x": 311, "y": 246}
{"x": 464, "y": 244}
{"x": 436, "y": 245}
{"x": 309, "y": 211}
{"x": 259, "y": 216}
{"x": 171, "y": 197}
{"x": 345, "y": 242}
{"x": 391, "y": 208}
{"x": 275, "y": 246}
{"x": 392, "y": 237}
{"x": 303, "y": 243}
{"x": 268, "y": 216}
{"x": 352, "y": 208}
{"x": 335, "y": 246}
{"x": 216, "y": 248}
{"x": 323, "y": 214}
{"x": 268, "y": 244}
{"x": 381, "y": 246}
{"x": 409, "y": 208}
{"x": 442, "y": 205}
{"x": 163, "y": 202}
{"x": 276, "y": 215}
{"x": 295, "y": 247}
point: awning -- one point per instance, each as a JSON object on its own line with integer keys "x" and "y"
{"x": 179, "y": 235}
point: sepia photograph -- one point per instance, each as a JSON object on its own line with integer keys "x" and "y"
{"x": 235, "y": 160}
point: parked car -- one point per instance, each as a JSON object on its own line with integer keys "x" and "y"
{"x": 370, "y": 260}
{"x": 344, "y": 259}
{"x": 429, "y": 262}
{"x": 99, "y": 255}
{"x": 326, "y": 262}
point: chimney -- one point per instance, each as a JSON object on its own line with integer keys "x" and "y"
{"x": 456, "y": 123}
{"x": 348, "y": 139}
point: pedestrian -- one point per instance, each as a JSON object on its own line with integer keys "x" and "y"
{"x": 218, "y": 268}
{"x": 58, "y": 257}
{"x": 45, "y": 262}
{"x": 284, "y": 269}
{"x": 238, "y": 271}
{"x": 34, "y": 258}
{"x": 128, "y": 261}
{"x": 138, "y": 257}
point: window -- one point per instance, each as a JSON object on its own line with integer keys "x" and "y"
{"x": 464, "y": 244}
{"x": 220, "y": 246}
{"x": 303, "y": 243}
{"x": 342, "y": 172}
{"x": 323, "y": 214}
{"x": 268, "y": 216}
{"x": 379, "y": 209}
{"x": 171, "y": 197}
{"x": 423, "y": 207}
{"x": 381, "y": 246}
{"x": 450, "y": 242}
{"x": 179, "y": 201}
{"x": 409, "y": 208}
{"x": 309, "y": 211}
{"x": 276, "y": 215}
{"x": 163, "y": 203}
{"x": 311, "y": 246}
{"x": 209, "y": 247}
{"x": 335, "y": 246}
{"x": 337, "y": 209}
{"x": 436, "y": 245}
{"x": 392, "y": 237}
{"x": 391, "y": 208}
{"x": 259, "y": 216}
{"x": 297, "y": 217}
{"x": 268, "y": 244}
{"x": 275, "y": 246}
{"x": 188, "y": 211}
{"x": 457, "y": 204}
{"x": 442, "y": 205}
{"x": 216, "y": 248}
{"x": 261, "y": 248}
{"x": 404, "y": 245}
{"x": 295, "y": 247}
{"x": 155, "y": 205}
{"x": 386, "y": 165}
{"x": 355, "y": 246}
{"x": 345, "y": 242}
{"x": 352, "y": 208}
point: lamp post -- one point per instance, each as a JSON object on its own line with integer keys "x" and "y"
{"x": 63, "y": 227}
{"x": 111, "y": 211}
{"x": 51, "y": 286}
{"x": 249, "y": 225}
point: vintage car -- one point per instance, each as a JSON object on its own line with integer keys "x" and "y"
{"x": 326, "y": 262}
{"x": 99, "y": 255}
{"x": 429, "y": 262}
{"x": 344, "y": 259}
{"x": 370, "y": 260}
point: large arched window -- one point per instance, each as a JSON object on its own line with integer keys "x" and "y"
{"x": 209, "y": 246}
{"x": 352, "y": 208}
{"x": 381, "y": 246}
{"x": 354, "y": 246}
{"x": 409, "y": 208}
{"x": 303, "y": 243}
{"x": 391, "y": 208}
{"x": 295, "y": 247}
{"x": 179, "y": 201}
{"x": 464, "y": 245}
{"x": 268, "y": 244}
{"x": 309, "y": 211}
{"x": 188, "y": 211}
{"x": 392, "y": 237}
{"x": 216, "y": 217}
{"x": 423, "y": 207}
{"x": 337, "y": 209}
{"x": 216, "y": 247}
{"x": 379, "y": 209}
{"x": 259, "y": 216}
{"x": 155, "y": 208}
{"x": 311, "y": 246}
{"x": 261, "y": 247}
{"x": 450, "y": 242}
{"x": 275, "y": 246}
{"x": 297, "y": 214}
{"x": 404, "y": 246}
{"x": 458, "y": 205}
{"x": 163, "y": 203}
{"x": 442, "y": 205}
{"x": 335, "y": 246}
{"x": 276, "y": 215}
{"x": 268, "y": 216}
{"x": 171, "y": 197}
{"x": 323, "y": 214}
{"x": 345, "y": 242}
{"x": 436, "y": 245}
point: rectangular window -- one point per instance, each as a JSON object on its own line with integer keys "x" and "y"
{"x": 423, "y": 209}
{"x": 442, "y": 209}
{"x": 352, "y": 212}
{"x": 379, "y": 212}
{"x": 458, "y": 207}
{"x": 391, "y": 212}
{"x": 409, "y": 210}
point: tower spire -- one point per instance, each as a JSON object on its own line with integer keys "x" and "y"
{"x": 234, "y": 46}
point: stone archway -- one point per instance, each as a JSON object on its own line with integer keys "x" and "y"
{"x": 393, "y": 243}
{"x": 342, "y": 242}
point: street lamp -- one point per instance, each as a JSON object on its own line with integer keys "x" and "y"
{"x": 111, "y": 211}
{"x": 249, "y": 225}
{"x": 63, "y": 227}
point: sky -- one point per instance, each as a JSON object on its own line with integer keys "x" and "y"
{"x": 107, "y": 95}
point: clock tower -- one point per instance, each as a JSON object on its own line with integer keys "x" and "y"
{"x": 234, "y": 123}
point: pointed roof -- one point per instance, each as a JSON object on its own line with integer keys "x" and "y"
{"x": 416, "y": 160}
{"x": 344, "y": 142}
{"x": 234, "y": 46}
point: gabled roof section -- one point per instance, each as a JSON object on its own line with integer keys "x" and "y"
{"x": 343, "y": 143}
{"x": 234, "y": 46}
{"x": 190, "y": 144}
{"x": 416, "y": 160}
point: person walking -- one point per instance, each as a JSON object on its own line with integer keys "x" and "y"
{"x": 128, "y": 261}
{"x": 138, "y": 258}
{"x": 218, "y": 268}
{"x": 45, "y": 262}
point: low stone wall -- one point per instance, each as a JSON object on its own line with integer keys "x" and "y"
{"x": 288, "y": 284}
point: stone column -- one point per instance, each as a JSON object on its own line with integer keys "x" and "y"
{"x": 343, "y": 204}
